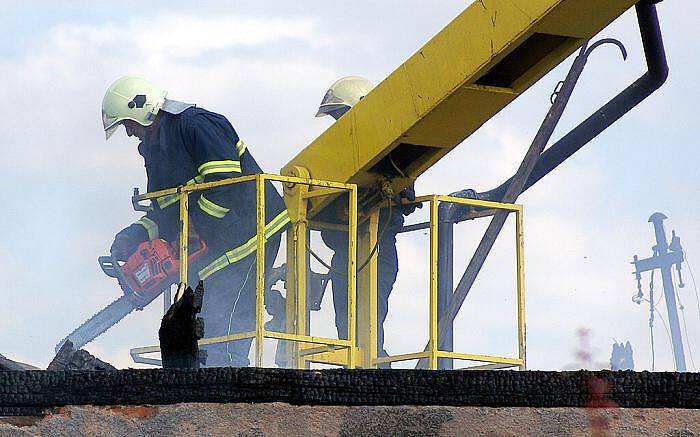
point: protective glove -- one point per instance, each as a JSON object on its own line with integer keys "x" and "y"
{"x": 122, "y": 247}
{"x": 409, "y": 193}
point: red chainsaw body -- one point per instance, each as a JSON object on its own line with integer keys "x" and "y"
{"x": 153, "y": 267}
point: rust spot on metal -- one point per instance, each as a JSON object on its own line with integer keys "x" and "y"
{"x": 140, "y": 412}
{"x": 21, "y": 421}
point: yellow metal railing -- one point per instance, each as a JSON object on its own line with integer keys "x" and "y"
{"x": 348, "y": 352}
{"x": 323, "y": 188}
{"x": 433, "y": 352}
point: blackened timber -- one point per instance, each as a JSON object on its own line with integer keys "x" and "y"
{"x": 34, "y": 392}
{"x": 180, "y": 329}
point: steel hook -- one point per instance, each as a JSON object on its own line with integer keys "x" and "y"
{"x": 614, "y": 41}
{"x": 583, "y": 57}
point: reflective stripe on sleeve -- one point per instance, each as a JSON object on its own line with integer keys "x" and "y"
{"x": 227, "y": 166}
{"x": 240, "y": 146}
{"x": 165, "y": 201}
{"x": 150, "y": 226}
{"x": 242, "y": 251}
{"x": 212, "y": 208}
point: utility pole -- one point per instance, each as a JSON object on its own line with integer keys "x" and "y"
{"x": 664, "y": 260}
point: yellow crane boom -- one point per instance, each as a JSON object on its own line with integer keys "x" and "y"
{"x": 479, "y": 63}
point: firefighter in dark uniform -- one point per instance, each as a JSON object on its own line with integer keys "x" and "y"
{"x": 339, "y": 98}
{"x": 182, "y": 144}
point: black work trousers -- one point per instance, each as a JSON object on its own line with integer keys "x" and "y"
{"x": 229, "y": 307}
{"x": 387, "y": 270}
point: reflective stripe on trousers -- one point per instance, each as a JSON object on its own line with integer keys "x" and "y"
{"x": 245, "y": 249}
{"x": 212, "y": 208}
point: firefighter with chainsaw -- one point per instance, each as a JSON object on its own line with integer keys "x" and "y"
{"x": 339, "y": 98}
{"x": 183, "y": 144}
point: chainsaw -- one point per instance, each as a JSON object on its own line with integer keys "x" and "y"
{"x": 148, "y": 272}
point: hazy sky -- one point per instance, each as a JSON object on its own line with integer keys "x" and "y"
{"x": 266, "y": 65}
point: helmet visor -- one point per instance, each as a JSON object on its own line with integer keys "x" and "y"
{"x": 110, "y": 131}
{"x": 330, "y": 103}
{"x": 110, "y": 124}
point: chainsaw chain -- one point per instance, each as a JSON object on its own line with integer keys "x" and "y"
{"x": 94, "y": 316}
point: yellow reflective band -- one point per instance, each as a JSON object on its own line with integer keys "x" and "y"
{"x": 277, "y": 224}
{"x": 212, "y": 208}
{"x": 165, "y": 201}
{"x": 245, "y": 249}
{"x": 150, "y": 226}
{"x": 197, "y": 179}
{"x": 227, "y": 166}
{"x": 240, "y": 146}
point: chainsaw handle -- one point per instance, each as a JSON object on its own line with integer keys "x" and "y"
{"x": 196, "y": 246}
{"x": 110, "y": 266}
{"x": 199, "y": 250}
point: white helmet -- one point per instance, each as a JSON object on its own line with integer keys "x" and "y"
{"x": 130, "y": 98}
{"x": 344, "y": 93}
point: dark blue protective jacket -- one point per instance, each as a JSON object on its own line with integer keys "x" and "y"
{"x": 201, "y": 146}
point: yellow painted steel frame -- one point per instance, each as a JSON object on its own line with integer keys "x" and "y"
{"x": 433, "y": 352}
{"x": 479, "y": 63}
{"x": 298, "y": 275}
